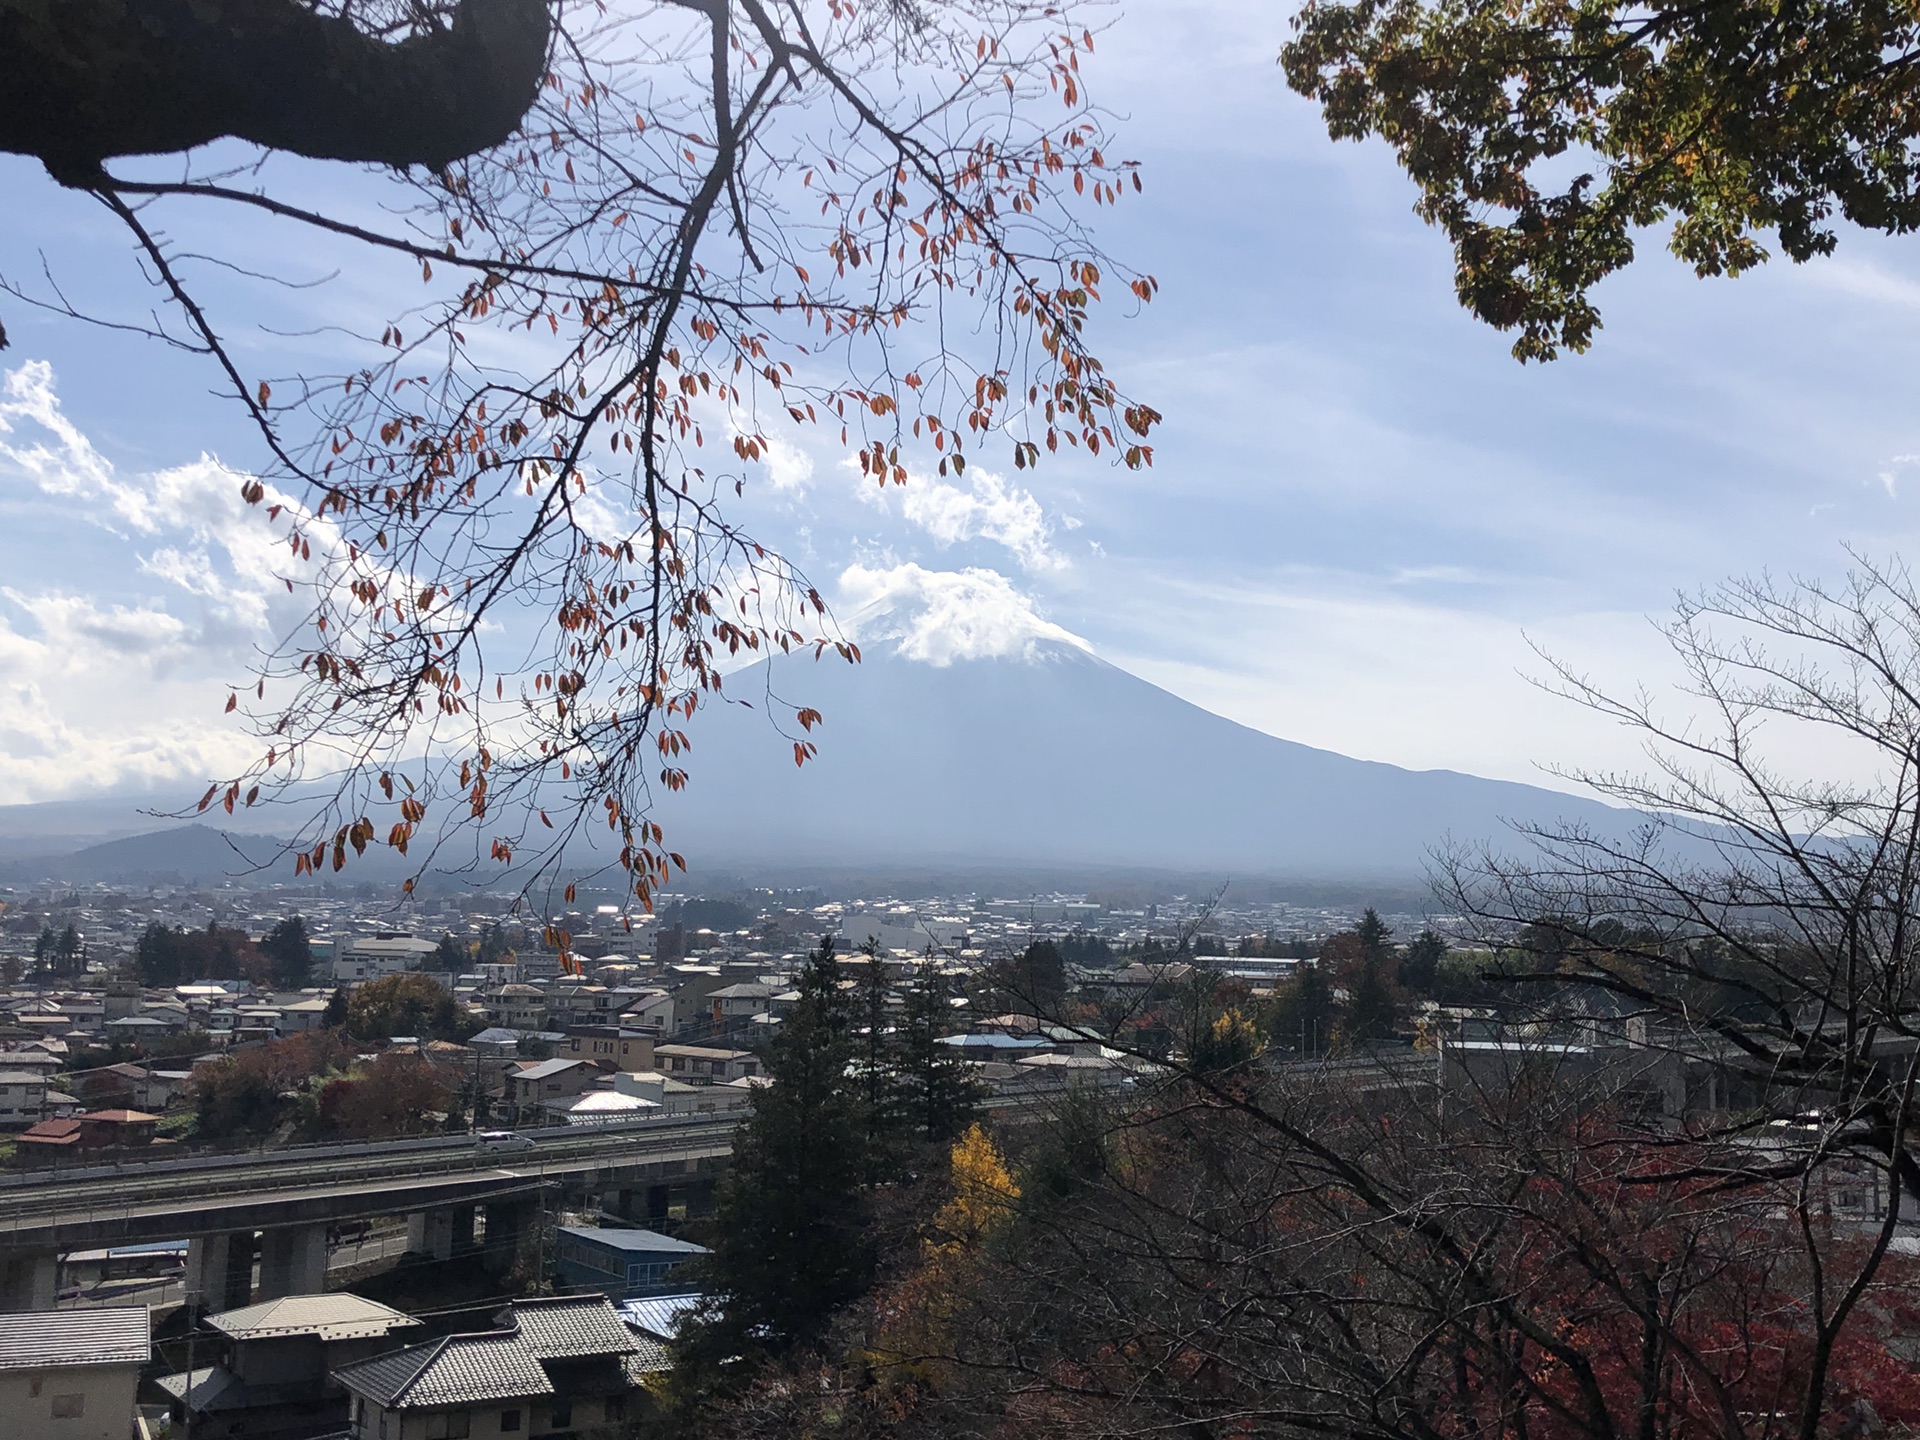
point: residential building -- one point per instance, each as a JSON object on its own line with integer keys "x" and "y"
{"x": 620, "y": 1264}
{"x": 271, "y": 1372}
{"x": 625, "y": 1049}
{"x": 535, "y": 1084}
{"x": 564, "y": 1366}
{"x": 23, "y": 1097}
{"x": 377, "y": 956}
{"x": 516, "y": 1007}
{"x": 705, "y": 1064}
{"x": 72, "y": 1374}
{"x": 735, "y": 1005}
{"x": 676, "y": 1097}
{"x": 90, "y": 1130}
{"x": 650, "y": 1010}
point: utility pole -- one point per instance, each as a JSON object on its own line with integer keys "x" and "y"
{"x": 193, "y": 1323}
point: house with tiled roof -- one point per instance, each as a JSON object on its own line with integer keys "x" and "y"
{"x": 559, "y": 1366}
{"x": 72, "y": 1374}
{"x": 272, "y": 1363}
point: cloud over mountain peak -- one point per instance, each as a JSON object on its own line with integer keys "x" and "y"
{"x": 940, "y": 616}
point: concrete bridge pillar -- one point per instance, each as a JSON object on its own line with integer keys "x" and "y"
{"x": 29, "y": 1282}
{"x": 293, "y": 1261}
{"x": 441, "y": 1234}
{"x": 509, "y": 1225}
{"x": 460, "y": 1226}
{"x": 430, "y": 1233}
{"x": 220, "y": 1271}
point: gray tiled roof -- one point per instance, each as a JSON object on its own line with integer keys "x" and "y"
{"x": 58, "y": 1339}
{"x": 650, "y": 1359}
{"x": 457, "y": 1370}
{"x": 571, "y": 1327}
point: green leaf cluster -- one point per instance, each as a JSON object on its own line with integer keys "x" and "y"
{"x": 1543, "y": 133}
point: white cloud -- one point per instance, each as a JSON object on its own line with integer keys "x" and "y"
{"x": 116, "y": 675}
{"x": 940, "y": 616}
{"x": 987, "y": 509}
{"x": 788, "y": 466}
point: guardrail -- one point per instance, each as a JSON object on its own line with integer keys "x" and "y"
{"x": 295, "y": 1154}
{"x": 185, "y": 1179}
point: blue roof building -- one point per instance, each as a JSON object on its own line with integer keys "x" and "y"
{"x": 620, "y": 1264}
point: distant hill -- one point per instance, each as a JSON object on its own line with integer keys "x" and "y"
{"x": 183, "y": 855}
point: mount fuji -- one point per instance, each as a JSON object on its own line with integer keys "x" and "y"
{"x": 974, "y": 735}
{"x": 1013, "y": 744}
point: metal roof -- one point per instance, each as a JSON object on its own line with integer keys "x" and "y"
{"x": 62, "y": 1339}
{"x": 544, "y": 1069}
{"x": 658, "y": 1315}
{"x": 650, "y": 1242}
{"x": 214, "y": 1388}
{"x": 330, "y": 1317}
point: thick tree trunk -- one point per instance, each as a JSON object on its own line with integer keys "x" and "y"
{"x": 82, "y": 81}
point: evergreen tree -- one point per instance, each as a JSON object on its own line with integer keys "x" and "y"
{"x": 790, "y": 1239}
{"x": 335, "y": 1014}
{"x": 1372, "y": 1010}
{"x": 450, "y": 955}
{"x": 157, "y": 957}
{"x": 939, "y": 1093}
{"x": 1420, "y": 966}
{"x": 1034, "y": 981}
{"x": 44, "y": 949}
{"x": 1373, "y": 935}
{"x": 1372, "y": 1007}
{"x": 875, "y": 1047}
{"x": 290, "y": 952}
{"x": 71, "y": 951}
{"x": 1303, "y": 1013}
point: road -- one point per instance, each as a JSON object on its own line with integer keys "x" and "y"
{"x": 126, "y": 1203}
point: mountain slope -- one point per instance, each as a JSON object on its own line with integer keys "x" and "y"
{"x": 1057, "y": 756}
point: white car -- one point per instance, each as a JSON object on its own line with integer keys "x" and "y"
{"x": 505, "y": 1141}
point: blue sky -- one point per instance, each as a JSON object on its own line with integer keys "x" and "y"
{"x": 1361, "y": 510}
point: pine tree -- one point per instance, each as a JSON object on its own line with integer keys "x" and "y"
{"x": 938, "y": 1090}
{"x": 790, "y": 1240}
{"x": 1420, "y": 966}
{"x": 1373, "y": 934}
{"x": 290, "y": 951}
{"x": 1372, "y": 1007}
{"x": 876, "y": 1051}
{"x": 1303, "y": 1012}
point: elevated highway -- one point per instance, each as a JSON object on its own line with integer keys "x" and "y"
{"x": 293, "y": 1198}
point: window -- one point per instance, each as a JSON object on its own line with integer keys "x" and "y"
{"x": 69, "y": 1407}
{"x": 452, "y": 1425}
{"x": 509, "y": 1421}
{"x": 562, "y": 1414}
